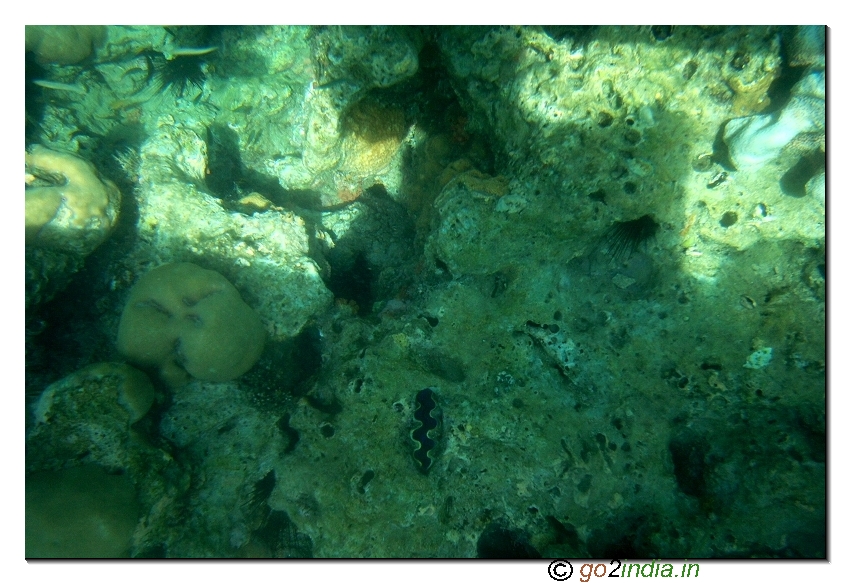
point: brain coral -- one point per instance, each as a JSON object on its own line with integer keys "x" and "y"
{"x": 189, "y": 321}
{"x": 372, "y": 136}
{"x": 68, "y": 206}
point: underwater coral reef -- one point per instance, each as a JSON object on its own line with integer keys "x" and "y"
{"x": 407, "y": 291}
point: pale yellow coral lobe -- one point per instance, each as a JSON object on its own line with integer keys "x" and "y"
{"x": 72, "y": 208}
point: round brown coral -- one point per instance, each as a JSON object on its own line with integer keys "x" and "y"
{"x": 189, "y": 321}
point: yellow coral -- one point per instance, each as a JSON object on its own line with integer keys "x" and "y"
{"x": 63, "y": 45}
{"x": 372, "y": 135}
{"x": 751, "y": 97}
{"x": 67, "y": 205}
{"x": 186, "y": 320}
{"x": 463, "y": 171}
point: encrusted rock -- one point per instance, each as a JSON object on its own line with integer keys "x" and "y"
{"x": 266, "y": 255}
{"x": 89, "y": 412}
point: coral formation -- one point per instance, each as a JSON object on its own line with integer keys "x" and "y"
{"x": 91, "y": 414}
{"x": 472, "y": 215}
{"x": 68, "y": 206}
{"x": 581, "y": 399}
{"x": 755, "y": 140}
{"x": 121, "y": 383}
{"x": 299, "y": 114}
{"x": 95, "y": 415}
{"x": 188, "y": 321}
{"x": 63, "y": 45}
{"x": 177, "y": 214}
{"x": 80, "y": 512}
